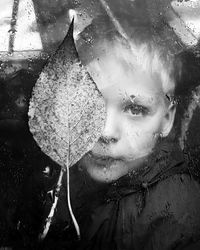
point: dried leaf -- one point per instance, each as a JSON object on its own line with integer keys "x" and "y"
{"x": 67, "y": 111}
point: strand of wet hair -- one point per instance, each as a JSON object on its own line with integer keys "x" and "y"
{"x": 116, "y": 23}
{"x": 187, "y": 117}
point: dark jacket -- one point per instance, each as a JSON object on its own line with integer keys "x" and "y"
{"x": 156, "y": 208}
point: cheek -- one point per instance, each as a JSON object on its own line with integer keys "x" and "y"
{"x": 140, "y": 137}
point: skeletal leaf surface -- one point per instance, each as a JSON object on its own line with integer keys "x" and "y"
{"x": 66, "y": 111}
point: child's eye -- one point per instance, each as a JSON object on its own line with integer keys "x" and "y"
{"x": 136, "y": 110}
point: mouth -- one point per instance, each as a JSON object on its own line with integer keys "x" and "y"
{"x": 102, "y": 159}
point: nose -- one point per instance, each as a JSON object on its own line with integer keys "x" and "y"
{"x": 111, "y": 132}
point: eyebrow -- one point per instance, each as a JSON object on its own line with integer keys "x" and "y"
{"x": 141, "y": 100}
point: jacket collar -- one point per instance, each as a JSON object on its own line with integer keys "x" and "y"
{"x": 165, "y": 161}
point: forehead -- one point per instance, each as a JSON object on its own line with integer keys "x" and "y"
{"x": 115, "y": 76}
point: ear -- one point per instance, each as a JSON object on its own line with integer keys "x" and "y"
{"x": 168, "y": 120}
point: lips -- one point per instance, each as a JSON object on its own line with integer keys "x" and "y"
{"x": 102, "y": 159}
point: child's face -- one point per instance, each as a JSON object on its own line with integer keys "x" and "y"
{"x": 138, "y": 112}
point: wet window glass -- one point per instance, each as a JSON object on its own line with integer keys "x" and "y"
{"x": 99, "y": 124}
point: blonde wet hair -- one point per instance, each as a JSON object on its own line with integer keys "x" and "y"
{"x": 147, "y": 56}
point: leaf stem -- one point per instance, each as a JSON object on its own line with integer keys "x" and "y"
{"x": 68, "y": 186}
{"x": 70, "y": 208}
